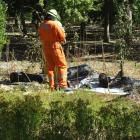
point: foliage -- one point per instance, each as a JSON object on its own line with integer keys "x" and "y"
{"x": 136, "y": 11}
{"x": 118, "y": 120}
{"x": 123, "y": 29}
{"x": 15, "y": 7}
{"x": 2, "y": 23}
{"x": 67, "y": 117}
{"x": 41, "y": 2}
{"x": 71, "y": 11}
{"x": 19, "y": 117}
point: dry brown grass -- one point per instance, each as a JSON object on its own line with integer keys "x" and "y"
{"x": 17, "y": 66}
{"x": 110, "y": 67}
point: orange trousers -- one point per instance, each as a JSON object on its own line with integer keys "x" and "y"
{"x": 56, "y": 64}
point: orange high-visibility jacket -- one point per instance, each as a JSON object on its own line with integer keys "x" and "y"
{"x": 51, "y": 33}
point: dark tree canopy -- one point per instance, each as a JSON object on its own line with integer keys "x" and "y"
{"x": 14, "y": 6}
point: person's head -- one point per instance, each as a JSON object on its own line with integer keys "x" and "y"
{"x": 52, "y": 15}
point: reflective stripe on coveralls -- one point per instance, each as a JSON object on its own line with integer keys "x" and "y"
{"x": 51, "y": 35}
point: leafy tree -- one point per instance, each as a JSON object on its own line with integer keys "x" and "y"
{"x": 123, "y": 29}
{"x": 119, "y": 9}
{"x": 96, "y": 13}
{"x": 18, "y": 9}
{"x": 72, "y": 11}
{"x": 15, "y": 6}
{"x": 2, "y": 23}
{"x": 136, "y": 11}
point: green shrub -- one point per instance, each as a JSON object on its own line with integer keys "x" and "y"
{"x": 67, "y": 117}
{"x": 2, "y": 23}
{"x": 120, "y": 120}
{"x": 20, "y": 117}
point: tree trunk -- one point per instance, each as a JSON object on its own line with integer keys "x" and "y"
{"x": 82, "y": 30}
{"x": 22, "y": 18}
{"x": 129, "y": 13}
{"x": 128, "y": 37}
{"x": 106, "y": 29}
{"x": 107, "y": 21}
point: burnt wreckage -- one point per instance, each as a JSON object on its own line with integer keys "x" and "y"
{"x": 82, "y": 76}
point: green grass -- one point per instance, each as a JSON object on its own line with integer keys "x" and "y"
{"x": 95, "y": 100}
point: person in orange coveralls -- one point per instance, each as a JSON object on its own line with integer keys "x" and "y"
{"x": 52, "y": 36}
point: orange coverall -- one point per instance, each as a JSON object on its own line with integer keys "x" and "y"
{"x": 51, "y": 36}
